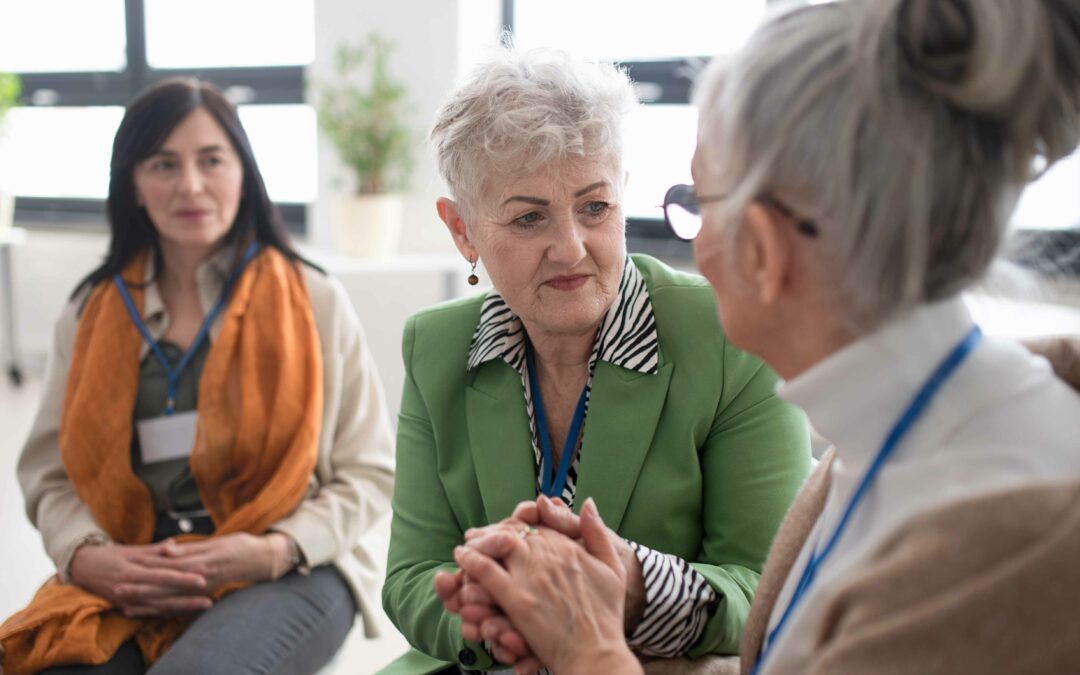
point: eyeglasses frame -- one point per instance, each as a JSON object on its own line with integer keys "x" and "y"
{"x": 805, "y": 226}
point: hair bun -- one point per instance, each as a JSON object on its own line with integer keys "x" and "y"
{"x": 936, "y": 39}
{"x": 977, "y": 54}
{"x": 1012, "y": 61}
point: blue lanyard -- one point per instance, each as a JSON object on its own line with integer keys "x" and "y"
{"x": 569, "y": 445}
{"x": 907, "y": 420}
{"x": 173, "y": 374}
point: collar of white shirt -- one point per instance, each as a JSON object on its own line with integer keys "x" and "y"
{"x": 854, "y": 396}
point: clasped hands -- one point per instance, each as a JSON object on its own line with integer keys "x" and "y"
{"x": 169, "y": 578}
{"x": 546, "y": 587}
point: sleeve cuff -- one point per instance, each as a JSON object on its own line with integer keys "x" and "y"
{"x": 678, "y": 600}
{"x": 314, "y": 540}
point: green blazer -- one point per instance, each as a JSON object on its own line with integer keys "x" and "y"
{"x": 700, "y": 460}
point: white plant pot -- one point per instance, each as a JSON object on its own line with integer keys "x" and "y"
{"x": 7, "y": 211}
{"x": 369, "y": 226}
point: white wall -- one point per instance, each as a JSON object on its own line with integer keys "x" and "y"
{"x": 46, "y": 270}
{"x": 434, "y": 40}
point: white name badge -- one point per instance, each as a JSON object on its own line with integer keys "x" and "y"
{"x": 167, "y": 437}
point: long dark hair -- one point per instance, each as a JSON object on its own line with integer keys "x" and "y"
{"x": 148, "y": 121}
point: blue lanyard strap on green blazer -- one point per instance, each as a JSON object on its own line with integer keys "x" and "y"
{"x": 569, "y": 445}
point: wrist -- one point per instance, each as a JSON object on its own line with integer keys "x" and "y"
{"x": 284, "y": 554}
{"x": 634, "y": 604}
{"x": 69, "y": 573}
{"x": 609, "y": 658}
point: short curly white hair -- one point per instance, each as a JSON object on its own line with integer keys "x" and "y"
{"x": 521, "y": 110}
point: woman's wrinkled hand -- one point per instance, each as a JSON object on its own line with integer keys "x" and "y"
{"x": 554, "y": 514}
{"x": 140, "y": 581}
{"x": 565, "y": 598}
{"x": 481, "y": 617}
{"x": 226, "y": 559}
{"x": 459, "y": 593}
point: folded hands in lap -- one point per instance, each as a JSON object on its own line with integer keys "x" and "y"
{"x": 555, "y": 596}
{"x": 168, "y": 578}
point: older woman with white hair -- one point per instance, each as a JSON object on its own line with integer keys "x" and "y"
{"x": 857, "y": 163}
{"x": 584, "y": 373}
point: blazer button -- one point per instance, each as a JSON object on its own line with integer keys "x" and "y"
{"x": 466, "y": 657}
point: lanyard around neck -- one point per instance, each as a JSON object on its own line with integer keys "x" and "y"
{"x": 171, "y": 373}
{"x": 546, "y": 486}
{"x": 902, "y": 426}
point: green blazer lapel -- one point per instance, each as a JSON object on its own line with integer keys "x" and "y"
{"x": 499, "y": 436}
{"x": 624, "y": 409}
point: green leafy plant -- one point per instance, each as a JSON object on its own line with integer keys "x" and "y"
{"x": 10, "y": 87}
{"x": 362, "y": 115}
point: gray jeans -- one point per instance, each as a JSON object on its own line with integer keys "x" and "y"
{"x": 293, "y": 626}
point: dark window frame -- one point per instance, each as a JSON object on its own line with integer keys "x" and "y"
{"x": 262, "y": 85}
{"x": 670, "y": 81}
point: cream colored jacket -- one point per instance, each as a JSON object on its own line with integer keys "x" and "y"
{"x": 353, "y": 479}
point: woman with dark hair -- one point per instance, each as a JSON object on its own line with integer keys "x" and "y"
{"x": 213, "y": 439}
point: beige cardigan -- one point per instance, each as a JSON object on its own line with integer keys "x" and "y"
{"x": 353, "y": 479}
{"x": 990, "y": 585}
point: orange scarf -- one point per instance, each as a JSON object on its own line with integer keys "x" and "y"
{"x": 260, "y": 410}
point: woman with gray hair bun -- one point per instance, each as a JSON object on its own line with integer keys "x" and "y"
{"x": 856, "y": 167}
{"x": 586, "y": 376}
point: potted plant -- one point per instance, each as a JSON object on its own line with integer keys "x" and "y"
{"x": 9, "y": 95}
{"x": 362, "y": 114}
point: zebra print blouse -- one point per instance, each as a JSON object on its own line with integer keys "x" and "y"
{"x": 677, "y": 597}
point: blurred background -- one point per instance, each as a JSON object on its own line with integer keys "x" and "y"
{"x": 78, "y": 63}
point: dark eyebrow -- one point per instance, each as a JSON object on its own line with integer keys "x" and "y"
{"x": 586, "y": 190}
{"x": 201, "y": 151}
{"x": 528, "y": 200}
{"x": 543, "y": 202}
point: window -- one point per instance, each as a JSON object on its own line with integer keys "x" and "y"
{"x": 59, "y": 151}
{"x": 79, "y": 73}
{"x": 636, "y": 31}
{"x": 89, "y": 38}
{"x": 660, "y": 141}
{"x": 1053, "y": 201}
{"x": 247, "y": 33}
{"x": 663, "y": 45}
{"x": 283, "y": 138}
